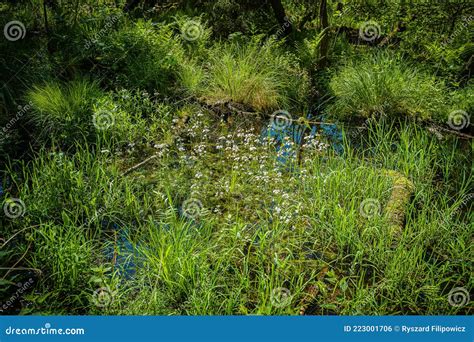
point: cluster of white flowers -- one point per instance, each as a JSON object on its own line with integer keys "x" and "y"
{"x": 312, "y": 143}
{"x": 242, "y": 166}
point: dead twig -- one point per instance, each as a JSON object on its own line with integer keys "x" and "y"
{"x": 137, "y": 166}
{"x": 434, "y": 128}
{"x": 16, "y": 263}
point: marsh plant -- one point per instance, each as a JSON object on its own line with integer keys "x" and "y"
{"x": 179, "y": 164}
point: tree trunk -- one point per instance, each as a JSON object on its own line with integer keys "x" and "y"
{"x": 280, "y": 15}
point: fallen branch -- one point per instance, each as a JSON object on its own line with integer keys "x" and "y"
{"x": 137, "y": 166}
{"x": 433, "y": 128}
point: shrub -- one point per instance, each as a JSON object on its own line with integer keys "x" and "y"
{"x": 386, "y": 85}
{"x": 194, "y": 33}
{"x": 142, "y": 56}
{"x": 308, "y": 49}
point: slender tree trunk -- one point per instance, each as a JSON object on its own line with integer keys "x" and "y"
{"x": 45, "y": 15}
{"x": 280, "y": 15}
{"x": 54, "y": 7}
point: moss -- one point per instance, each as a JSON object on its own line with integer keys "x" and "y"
{"x": 402, "y": 190}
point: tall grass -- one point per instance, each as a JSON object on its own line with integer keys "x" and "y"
{"x": 273, "y": 228}
{"x": 384, "y": 84}
{"x": 262, "y": 228}
{"x": 63, "y": 113}
{"x": 254, "y": 74}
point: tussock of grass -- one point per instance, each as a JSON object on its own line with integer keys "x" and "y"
{"x": 254, "y": 74}
{"x": 386, "y": 85}
{"x": 63, "y": 112}
{"x": 78, "y": 111}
